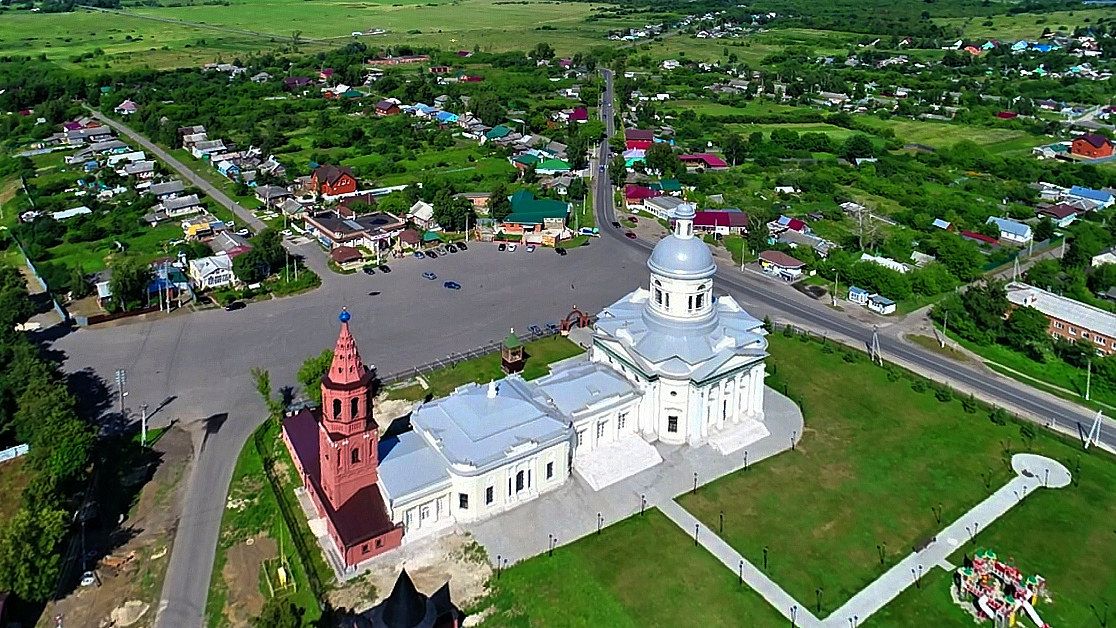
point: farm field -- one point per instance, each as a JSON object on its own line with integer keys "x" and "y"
{"x": 860, "y": 479}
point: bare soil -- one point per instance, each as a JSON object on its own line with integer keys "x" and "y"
{"x": 153, "y": 519}
{"x": 242, "y": 576}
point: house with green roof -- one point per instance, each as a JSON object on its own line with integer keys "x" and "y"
{"x": 552, "y": 166}
{"x": 525, "y": 160}
{"x": 497, "y": 132}
{"x": 528, "y": 211}
{"x": 670, "y": 186}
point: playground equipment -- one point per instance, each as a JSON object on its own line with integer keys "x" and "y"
{"x": 999, "y": 590}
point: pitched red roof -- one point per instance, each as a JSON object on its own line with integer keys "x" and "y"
{"x": 720, "y": 219}
{"x": 780, "y": 259}
{"x": 639, "y": 192}
{"x": 344, "y": 254}
{"x": 410, "y": 236}
{"x": 1059, "y": 211}
{"x": 979, "y": 237}
{"x": 579, "y": 113}
{"x": 639, "y": 134}
{"x": 795, "y": 224}
{"x": 1007, "y": 115}
{"x": 709, "y": 159}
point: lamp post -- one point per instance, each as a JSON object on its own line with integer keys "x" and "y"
{"x": 836, "y": 276}
{"x": 143, "y": 425}
{"x": 794, "y": 615}
{"x": 794, "y": 437}
{"x": 599, "y": 521}
{"x": 818, "y": 593}
{"x": 765, "y": 558}
{"x": 497, "y": 566}
{"x": 740, "y": 573}
{"x": 746, "y": 461}
{"x": 695, "y": 483}
{"x": 696, "y": 527}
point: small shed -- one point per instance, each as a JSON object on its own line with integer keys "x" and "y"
{"x": 881, "y": 305}
{"x": 858, "y": 295}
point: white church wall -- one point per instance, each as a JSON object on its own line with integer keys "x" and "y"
{"x": 535, "y": 482}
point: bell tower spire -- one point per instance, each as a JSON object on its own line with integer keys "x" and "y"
{"x": 348, "y": 437}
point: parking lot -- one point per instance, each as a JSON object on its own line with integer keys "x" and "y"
{"x": 201, "y": 360}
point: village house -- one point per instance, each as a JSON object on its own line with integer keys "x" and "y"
{"x": 167, "y": 189}
{"x": 228, "y": 243}
{"x": 387, "y": 108}
{"x": 707, "y": 161}
{"x": 331, "y": 180}
{"x": 1068, "y": 319}
{"x": 126, "y": 108}
{"x": 721, "y": 223}
{"x": 211, "y": 272}
{"x": 1091, "y": 146}
{"x": 1011, "y": 231}
{"x": 1062, "y": 214}
{"x": 638, "y": 139}
{"x": 272, "y": 195}
{"x": 422, "y": 215}
{"x": 372, "y": 231}
{"x": 782, "y": 265}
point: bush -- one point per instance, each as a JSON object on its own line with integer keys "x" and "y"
{"x": 943, "y": 394}
{"x": 998, "y": 416}
{"x": 969, "y": 404}
{"x": 918, "y": 385}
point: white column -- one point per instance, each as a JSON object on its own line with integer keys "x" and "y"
{"x": 741, "y": 398}
{"x": 757, "y": 399}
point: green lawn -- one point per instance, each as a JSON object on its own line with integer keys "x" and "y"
{"x": 642, "y": 571}
{"x": 872, "y": 465}
{"x": 540, "y": 354}
{"x": 945, "y": 134}
{"x": 1009, "y": 28}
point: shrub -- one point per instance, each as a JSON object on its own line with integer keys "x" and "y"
{"x": 943, "y": 394}
{"x": 998, "y": 416}
{"x": 918, "y": 385}
{"x": 969, "y": 404}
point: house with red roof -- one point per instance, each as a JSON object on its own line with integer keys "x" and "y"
{"x": 1091, "y": 146}
{"x": 635, "y": 195}
{"x": 709, "y": 161}
{"x": 1061, "y": 214}
{"x": 979, "y": 238}
{"x": 1007, "y": 115}
{"x": 720, "y": 222}
{"x": 638, "y": 138}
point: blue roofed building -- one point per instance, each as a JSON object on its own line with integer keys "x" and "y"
{"x": 1102, "y": 198}
{"x": 1011, "y": 231}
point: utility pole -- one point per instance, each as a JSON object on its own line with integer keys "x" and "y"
{"x": 143, "y": 425}
{"x": 1088, "y": 378}
{"x": 876, "y": 354}
{"x": 836, "y": 277}
{"x": 1093, "y": 437}
{"x": 945, "y": 324}
{"x": 121, "y": 380}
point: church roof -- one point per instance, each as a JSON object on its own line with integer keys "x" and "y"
{"x": 682, "y": 257}
{"x": 346, "y": 369}
{"x": 695, "y": 349}
{"x": 406, "y": 607}
{"x": 409, "y": 467}
{"x": 575, "y": 387}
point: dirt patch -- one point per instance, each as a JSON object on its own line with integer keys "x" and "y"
{"x": 134, "y": 571}
{"x": 431, "y": 562}
{"x": 242, "y": 576}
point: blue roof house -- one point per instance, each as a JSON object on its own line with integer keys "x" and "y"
{"x": 1105, "y": 199}
{"x": 1011, "y": 231}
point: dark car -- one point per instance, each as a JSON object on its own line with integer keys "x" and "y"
{"x": 535, "y": 329}
{"x": 552, "y": 327}
{"x": 615, "y": 224}
{"x": 419, "y": 254}
{"x": 633, "y": 219}
{"x": 502, "y": 247}
{"x": 452, "y": 285}
{"x": 560, "y": 251}
{"x": 461, "y": 245}
{"x": 629, "y": 235}
{"x": 429, "y": 275}
{"x": 235, "y": 305}
{"x": 384, "y": 268}
{"x": 431, "y": 254}
{"x": 451, "y": 248}
{"x": 369, "y": 270}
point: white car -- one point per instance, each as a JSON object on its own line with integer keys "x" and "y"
{"x": 530, "y": 248}
{"x": 88, "y": 579}
{"x": 511, "y": 248}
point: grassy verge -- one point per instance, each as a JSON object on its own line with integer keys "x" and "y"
{"x": 926, "y": 342}
{"x": 620, "y": 579}
{"x": 540, "y": 354}
{"x": 871, "y": 469}
{"x": 258, "y": 512}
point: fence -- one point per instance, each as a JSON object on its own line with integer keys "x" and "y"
{"x": 12, "y": 453}
{"x": 42, "y": 282}
{"x": 454, "y": 359}
{"x": 290, "y": 514}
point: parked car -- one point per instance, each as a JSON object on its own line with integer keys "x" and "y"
{"x": 552, "y": 327}
{"x": 244, "y": 233}
{"x": 560, "y": 251}
{"x": 633, "y": 219}
{"x": 431, "y": 254}
{"x": 451, "y": 248}
{"x": 235, "y": 305}
{"x": 419, "y": 254}
{"x": 629, "y": 235}
{"x": 384, "y": 268}
{"x": 429, "y": 275}
{"x": 441, "y": 250}
{"x": 369, "y": 270}
{"x": 615, "y": 224}
{"x": 88, "y": 579}
{"x": 530, "y": 248}
{"x": 535, "y": 329}
{"x": 452, "y": 285}
{"x": 502, "y": 247}
{"x": 461, "y": 245}
{"x": 511, "y": 248}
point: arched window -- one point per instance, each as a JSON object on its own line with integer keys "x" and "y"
{"x": 337, "y": 409}
{"x": 519, "y": 481}
{"x": 355, "y": 455}
{"x": 354, "y": 407}
{"x": 700, "y": 302}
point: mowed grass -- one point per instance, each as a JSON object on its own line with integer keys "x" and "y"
{"x": 945, "y": 134}
{"x": 1028, "y": 26}
{"x": 875, "y": 458}
{"x": 642, "y": 571}
{"x": 539, "y": 353}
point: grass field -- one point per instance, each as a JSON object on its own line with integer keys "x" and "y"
{"x": 642, "y": 571}
{"x": 540, "y": 354}
{"x": 944, "y": 134}
{"x": 869, "y": 471}
{"x": 192, "y": 34}
{"x": 1027, "y": 25}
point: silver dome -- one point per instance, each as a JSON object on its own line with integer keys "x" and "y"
{"x": 682, "y": 258}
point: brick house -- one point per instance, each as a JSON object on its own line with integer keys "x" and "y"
{"x": 1092, "y": 146}
{"x": 333, "y": 180}
{"x": 1069, "y": 319}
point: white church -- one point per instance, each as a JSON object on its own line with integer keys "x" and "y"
{"x": 669, "y": 363}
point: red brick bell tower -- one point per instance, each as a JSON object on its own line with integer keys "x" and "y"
{"x": 348, "y": 437}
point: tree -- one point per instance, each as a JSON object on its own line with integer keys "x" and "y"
{"x": 858, "y": 145}
{"x": 130, "y": 278}
{"x": 262, "y": 380}
{"x": 577, "y": 189}
{"x": 734, "y": 147}
{"x": 1025, "y": 330}
{"x": 488, "y": 107}
{"x": 985, "y": 305}
{"x": 498, "y": 204}
{"x": 543, "y": 51}
{"x": 312, "y": 371}
{"x": 30, "y": 557}
{"x": 617, "y": 170}
{"x": 660, "y": 156}
{"x": 280, "y": 612}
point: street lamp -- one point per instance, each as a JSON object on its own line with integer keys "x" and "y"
{"x": 740, "y": 572}
{"x": 642, "y": 503}
{"x": 722, "y": 529}
{"x": 765, "y": 558}
{"x": 818, "y": 593}
{"x": 696, "y": 526}
{"x": 599, "y": 520}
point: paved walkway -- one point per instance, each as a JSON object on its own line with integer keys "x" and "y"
{"x": 570, "y": 512}
{"x": 1033, "y": 472}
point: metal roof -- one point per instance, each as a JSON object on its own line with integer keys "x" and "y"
{"x": 1073, "y": 312}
